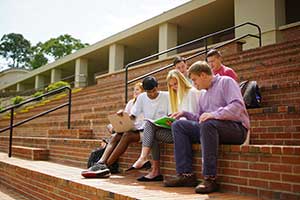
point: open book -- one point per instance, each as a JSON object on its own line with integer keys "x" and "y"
{"x": 164, "y": 122}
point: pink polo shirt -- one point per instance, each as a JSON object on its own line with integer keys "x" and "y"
{"x": 226, "y": 71}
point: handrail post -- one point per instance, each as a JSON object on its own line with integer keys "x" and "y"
{"x": 259, "y": 32}
{"x": 69, "y": 108}
{"x": 11, "y": 127}
{"x": 126, "y": 83}
{"x": 205, "y": 42}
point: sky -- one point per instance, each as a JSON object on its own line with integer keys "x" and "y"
{"x": 87, "y": 20}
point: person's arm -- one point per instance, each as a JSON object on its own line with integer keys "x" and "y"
{"x": 194, "y": 115}
{"x": 193, "y": 101}
{"x": 231, "y": 73}
{"x": 137, "y": 108}
{"x": 234, "y": 102}
{"x": 129, "y": 106}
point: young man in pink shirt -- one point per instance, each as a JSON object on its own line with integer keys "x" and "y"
{"x": 222, "y": 119}
{"x": 214, "y": 59}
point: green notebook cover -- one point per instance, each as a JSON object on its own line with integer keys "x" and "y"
{"x": 164, "y": 121}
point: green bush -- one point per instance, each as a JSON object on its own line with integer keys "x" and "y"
{"x": 17, "y": 100}
{"x": 1, "y": 108}
{"x": 37, "y": 94}
{"x": 57, "y": 85}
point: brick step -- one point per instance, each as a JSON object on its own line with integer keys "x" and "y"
{"x": 45, "y": 180}
{"x": 275, "y": 125}
{"x": 269, "y": 171}
{"x": 37, "y": 142}
{"x": 71, "y": 133}
{"x": 110, "y": 107}
{"x": 31, "y": 153}
{"x": 266, "y": 67}
{"x": 29, "y": 129}
{"x": 75, "y": 104}
{"x": 10, "y": 194}
{"x": 103, "y": 107}
{"x": 269, "y": 125}
{"x": 285, "y": 74}
{"x": 75, "y": 97}
{"x": 266, "y": 171}
{"x": 88, "y": 102}
{"x": 263, "y": 53}
{"x": 281, "y": 94}
{"x": 69, "y": 151}
{"x": 278, "y": 48}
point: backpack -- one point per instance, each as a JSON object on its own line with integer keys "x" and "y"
{"x": 251, "y": 94}
{"x": 96, "y": 154}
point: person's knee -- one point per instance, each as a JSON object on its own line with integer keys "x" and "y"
{"x": 130, "y": 137}
{"x": 115, "y": 138}
{"x": 208, "y": 124}
{"x": 208, "y": 128}
{"x": 176, "y": 125}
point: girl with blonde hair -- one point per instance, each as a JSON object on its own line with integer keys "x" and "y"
{"x": 182, "y": 97}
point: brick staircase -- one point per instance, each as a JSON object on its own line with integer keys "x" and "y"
{"x": 268, "y": 168}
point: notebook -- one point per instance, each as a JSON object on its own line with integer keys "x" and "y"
{"x": 121, "y": 123}
{"x": 164, "y": 122}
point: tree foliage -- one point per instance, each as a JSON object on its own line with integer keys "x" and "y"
{"x": 16, "y": 49}
{"x": 38, "y": 57}
{"x": 62, "y": 46}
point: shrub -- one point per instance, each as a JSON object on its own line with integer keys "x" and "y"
{"x": 1, "y": 108}
{"x": 57, "y": 85}
{"x": 37, "y": 94}
{"x": 17, "y": 100}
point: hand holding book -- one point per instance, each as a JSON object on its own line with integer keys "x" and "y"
{"x": 164, "y": 122}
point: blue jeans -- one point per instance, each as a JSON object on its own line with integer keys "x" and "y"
{"x": 210, "y": 134}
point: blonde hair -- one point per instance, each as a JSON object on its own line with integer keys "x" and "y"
{"x": 140, "y": 85}
{"x": 184, "y": 86}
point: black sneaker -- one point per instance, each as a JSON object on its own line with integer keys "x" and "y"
{"x": 97, "y": 171}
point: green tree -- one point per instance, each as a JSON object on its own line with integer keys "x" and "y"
{"x": 38, "y": 57}
{"x": 16, "y": 49}
{"x": 62, "y": 46}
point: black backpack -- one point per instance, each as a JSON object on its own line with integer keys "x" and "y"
{"x": 251, "y": 94}
{"x": 96, "y": 154}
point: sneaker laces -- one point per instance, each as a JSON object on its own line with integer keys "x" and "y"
{"x": 98, "y": 166}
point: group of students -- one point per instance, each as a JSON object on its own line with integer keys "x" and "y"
{"x": 207, "y": 104}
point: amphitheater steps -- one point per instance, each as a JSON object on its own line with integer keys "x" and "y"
{"x": 278, "y": 124}
{"x": 31, "y": 153}
{"x": 71, "y": 133}
{"x": 281, "y": 94}
{"x": 69, "y": 151}
{"x": 275, "y": 125}
{"x": 264, "y": 53}
{"x": 45, "y": 181}
{"x": 266, "y": 171}
{"x": 7, "y": 193}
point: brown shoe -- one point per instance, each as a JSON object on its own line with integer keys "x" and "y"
{"x": 208, "y": 186}
{"x": 182, "y": 181}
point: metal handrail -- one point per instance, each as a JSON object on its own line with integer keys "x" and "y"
{"x": 204, "y": 38}
{"x": 188, "y": 58}
{"x": 11, "y": 108}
